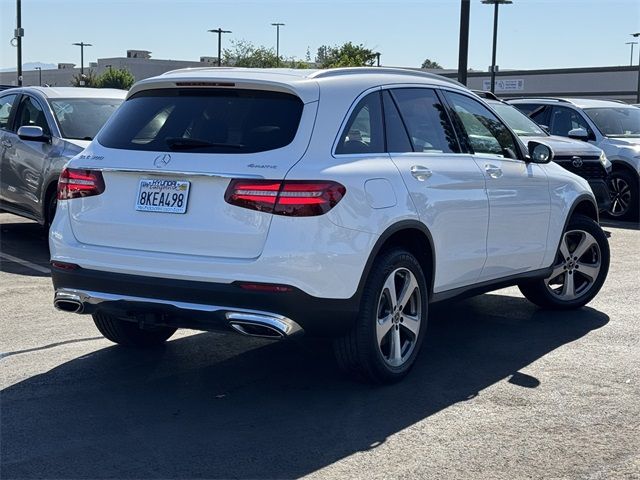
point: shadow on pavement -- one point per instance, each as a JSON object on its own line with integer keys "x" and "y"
{"x": 213, "y": 406}
{"x": 22, "y": 243}
{"x": 611, "y": 223}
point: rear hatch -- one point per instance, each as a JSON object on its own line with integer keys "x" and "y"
{"x": 167, "y": 157}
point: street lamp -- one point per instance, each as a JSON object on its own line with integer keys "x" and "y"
{"x": 39, "y": 76}
{"x": 219, "y": 31}
{"x": 377, "y": 54}
{"x": 636, "y": 35}
{"x": 496, "y": 4}
{"x": 18, "y": 33}
{"x": 82, "y": 45}
{"x": 277, "y": 25}
{"x": 632, "y": 44}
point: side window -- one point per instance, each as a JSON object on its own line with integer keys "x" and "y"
{"x": 540, "y": 115}
{"x": 6, "y": 106}
{"x": 564, "y": 119}
{"x": 397, "y": 136}
{"x": 426, "y": 120}
{"x": 487, "y": 134}
{"x": 364, "y": 132}
{"x": 31, "y": 114}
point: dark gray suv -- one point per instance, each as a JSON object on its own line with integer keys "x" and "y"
{"x": 41, "y": 129}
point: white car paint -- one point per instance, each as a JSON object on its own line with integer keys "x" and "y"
{"x": 483, "y": 228}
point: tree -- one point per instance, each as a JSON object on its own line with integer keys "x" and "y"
{"x": 430, "y": 64}
{"x": 346, "y": 55}
{"x": 245, "y": 54}
{"x": 116, "y": 78}
{"x": 90, "y": 79}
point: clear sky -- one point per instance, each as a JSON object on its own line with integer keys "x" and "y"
{"x": 532, "y": 33}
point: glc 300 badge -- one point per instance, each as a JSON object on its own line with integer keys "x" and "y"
{"x": 162, "y": 160}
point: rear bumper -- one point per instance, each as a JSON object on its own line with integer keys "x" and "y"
{"x": 201, "y": 305}
{"x": 601, "y": 192}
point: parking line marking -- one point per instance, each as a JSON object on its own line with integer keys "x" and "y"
{"x": 25, "y": 263}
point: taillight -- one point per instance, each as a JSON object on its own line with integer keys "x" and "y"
{"x": 295, "y": 198}
{"x": 77, "y": 183}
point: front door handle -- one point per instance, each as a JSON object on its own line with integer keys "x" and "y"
{"x": 421, "y": 173}
{"x": 493, "y": 170}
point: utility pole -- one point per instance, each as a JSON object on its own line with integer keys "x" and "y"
{"x": 278, "y": 25}
{"x": 219, "y": 31}
{"x": 377, "y": 59}
{"x": 39, "y": 76}
{"x": 636, "y": 35}
{"x": 496, "y": 4}
{"x": 18, "y": 34}
{"x": 82, "y": 45}
{"x": 463, "y": 48}
{"x": 632, "y": 44}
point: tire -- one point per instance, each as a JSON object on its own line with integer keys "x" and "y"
{"x": 129, "y": 334}
{"x": 50, "y": 210}
{"x": 576, "y": 279}
{"x": 625, "y": 199}
{"x": 360, "y": 353}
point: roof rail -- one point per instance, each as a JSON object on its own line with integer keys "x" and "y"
{"x": 335, "y": 72}
{"x": 487, "y": 95}
{"x": 560, "y": 100}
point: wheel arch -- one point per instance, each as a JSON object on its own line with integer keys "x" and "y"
{"x": 52, "y": 188}
{"x": 412, "y": 235}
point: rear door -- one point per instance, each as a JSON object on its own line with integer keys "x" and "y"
{"x": 447, "y": 187}
{"x": 187, "y": 144}
{"x": 519, "y": 201}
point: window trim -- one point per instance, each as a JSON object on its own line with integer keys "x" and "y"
{"x": 12, "y": 114}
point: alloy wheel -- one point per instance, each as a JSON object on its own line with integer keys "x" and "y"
{"x": 399, "y": 317}
{"x": 577, "y": 265}
{"x": 620, "y": 192}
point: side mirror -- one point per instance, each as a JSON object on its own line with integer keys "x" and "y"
{"x": 32, "y": 133}
{"x": 578, "y": 134}
{"x": 539, "y": 152}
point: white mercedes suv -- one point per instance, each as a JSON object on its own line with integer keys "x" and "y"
{"x": 336, "y": 203}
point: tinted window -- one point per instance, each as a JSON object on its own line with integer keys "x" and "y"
{"x": 426, "y": 120}
{"x": 31, "y": 114}
{"x": 518, "y": 121}
{"x": 397, "y": 136}
{"x": 616, "y": 121}
{"x": 487, "y": 134}
{"x": 6, "y": 105}
{"x": 563, "y": 120}
{"x": 204, "y": 121}
{"x": 364, "y": 132}
{"x": 82, "y": 118}
{"x": 537, "y": 113}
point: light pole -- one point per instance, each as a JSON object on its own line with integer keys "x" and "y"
{"x": 496, "y": 4}
{"x": 636, "y": 35}
{"x": 278, "y": 25}
{"x": 82, "y": 45}
{"x": 219, "y": 31}
{"x": 39, "y": 76}
{"x": 463, "y": 48}
{"x": 632, "y": 44}
{"x": 17, "y": 36}
{"x": 377, "y": 54}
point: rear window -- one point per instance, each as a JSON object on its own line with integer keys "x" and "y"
{"x": 204, "y": 121}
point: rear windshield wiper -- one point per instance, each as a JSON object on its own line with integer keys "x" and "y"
{"x": 181, "y": 143}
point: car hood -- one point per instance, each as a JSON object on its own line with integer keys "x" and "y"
{"x": 624, "y": 142}
{"x": 563, "y": 146}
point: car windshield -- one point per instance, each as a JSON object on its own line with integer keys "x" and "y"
{"x": 82, "y": 118}
{"x": 616, "y": 121}
{"x": 518, "y": 121}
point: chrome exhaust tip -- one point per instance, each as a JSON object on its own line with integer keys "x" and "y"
{"x": 265, "y": 326}
{"x": 69, "y": 305}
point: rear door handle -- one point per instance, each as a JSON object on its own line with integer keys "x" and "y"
{"x": 493, "y": 170}
{"x": 421, "y": 173}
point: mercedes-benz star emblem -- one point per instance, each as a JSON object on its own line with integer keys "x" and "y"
{"x": 162, "y": 160}
{"x": 577, "y": 162}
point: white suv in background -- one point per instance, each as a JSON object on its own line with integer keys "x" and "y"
{"x": 336, "y": 203}
{"x": 612, "y": 126}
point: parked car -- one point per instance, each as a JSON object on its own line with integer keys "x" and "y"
{"x": 581, "y": 158}
{"x": 336, "y": 203}
{"x": 41, "y": 128}
{"x": 612, "y": 126}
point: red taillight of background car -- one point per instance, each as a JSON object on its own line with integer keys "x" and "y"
{"x": 294, "y": 198}
{"x": 78, "y": 183}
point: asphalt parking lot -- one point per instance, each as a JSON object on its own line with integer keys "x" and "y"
{"x": 501, "y": 390}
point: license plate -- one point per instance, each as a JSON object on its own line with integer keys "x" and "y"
{"x": 163, "y": 196}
